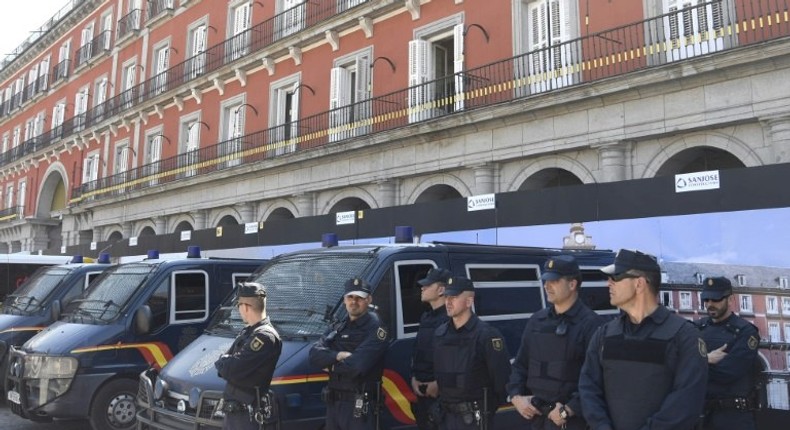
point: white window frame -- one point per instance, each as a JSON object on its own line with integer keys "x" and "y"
{"x": 160, "y": 58}
{"x": 745, "y": 303}
{"x": 152, "y": 153}
{"x": 685, "y": 300}
{"x": 290, "y": 17}
{"x": 774, "y": 332}
{"x": 197, "y": 39}
{"x": 232, "y": 129}
{"x": 173, "y": 296}
{"x": 350, "y": 70}
{"x": 21, "y": 196}
{"x": 689, "y": 36}
{"x": 239, "y": 21}
{"x": 6, "y": 140}
{"x": 771, "y": 305}
{"x": 787, "y": 331}
{"x": 279, "y": 92}
{"x": 189, "y": 140}
{"x": 9, "y": 196}
{"x": 786, "y": 306}
{"x": 121, "y": 157}
{"x": 667, "y": 298}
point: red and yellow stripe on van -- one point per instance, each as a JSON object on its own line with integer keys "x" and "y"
{"x": 15, "y": 329}
{"x": 157, "y": 354}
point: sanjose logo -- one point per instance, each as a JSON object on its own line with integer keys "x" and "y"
{"x": 481, "y": 202}
{"x": 342, "y": 218}
{"x": 697, "y": 181}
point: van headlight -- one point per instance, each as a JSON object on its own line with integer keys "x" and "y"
{"x": 45, "y": 367}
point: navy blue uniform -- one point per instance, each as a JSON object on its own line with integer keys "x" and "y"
{"x": 550, "y": 359}
{"x": 422, "y": 361}
{"x": 650, "y": 375}
{"x": 731, "y": 380}
{"x": 249, "y": 363}
{"x": 357, "y": 375}
{"x": 470, "y": 361}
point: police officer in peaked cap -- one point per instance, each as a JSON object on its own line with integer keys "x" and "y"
{"x": 423, "y": 379}
{"x": 471, "y": 363}
{"x": 352, "y": 351}
{"x": 543, "y": 386}
{"x": 248, "y": 366}
{"x": 648, "y": 367}
{"x": 732, "y": 360}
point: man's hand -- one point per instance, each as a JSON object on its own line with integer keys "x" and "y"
{"x": 432, "y": 390}
{"x": 717, "y": 355}
{"x": 415, "y": 386}
{"x": 555, "y": 417}
{"x": 523, "y": 405}
{"x": 342, "y": 355}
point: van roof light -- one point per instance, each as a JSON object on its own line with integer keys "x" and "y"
{"x": 104, "y": 258}
{"x": 193, "y": 252}
{"x": 404, "y": 234}
{"x": 77, "y": 259}
{"x": 153, "y": 254}
{"x": 328, "y": 240}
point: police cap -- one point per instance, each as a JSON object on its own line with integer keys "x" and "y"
{"x": 557, "y": 267}
{"x": 357, "y": 287}
{"x": 251, "y": 289}
{"x": 435, "y": 275}
{"x": 457, "y": 285}
{"x": 716, "y": 288}
{"x": 632, "y": 260}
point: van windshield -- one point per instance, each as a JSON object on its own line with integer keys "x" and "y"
{"x": 303, "y": 291}
{"x": 106, "y": 298}
{"x": 31, "y": 295}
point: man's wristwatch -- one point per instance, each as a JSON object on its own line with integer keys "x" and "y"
{"x": 564, "y": 413}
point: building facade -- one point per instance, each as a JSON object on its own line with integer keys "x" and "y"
{"x": 127, "y": 118}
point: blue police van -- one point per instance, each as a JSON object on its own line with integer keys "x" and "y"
{"x": 305, "y": 295}
{"x": 39, "y": 301}
{"x": 136, "y": 316}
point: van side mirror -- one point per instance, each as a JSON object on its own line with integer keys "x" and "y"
{"x": 142, "y": 320}
{"x": 55, "y": 310}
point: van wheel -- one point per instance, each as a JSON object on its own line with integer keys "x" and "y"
{"x": 114, "y": 406}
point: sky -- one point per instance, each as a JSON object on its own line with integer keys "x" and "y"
{"x": 18, "y": 18}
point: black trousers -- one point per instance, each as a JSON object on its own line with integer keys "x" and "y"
{"x": 729, "y": 419}
{"x": 421, "y": 409}
{"x": 340, "y": 416}
{"x": 454, "y": 421}
{"x": 238, "y": 421}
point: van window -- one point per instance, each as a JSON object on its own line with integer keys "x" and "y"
{"x": 595, "y": 290}
{"x": 190, "y": 296}
{"x": 506, "y": 290}
{"x": 408, "y": 293}
{"x": 158, "y": 305}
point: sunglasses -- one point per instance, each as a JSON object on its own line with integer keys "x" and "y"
{"x": 621, "y": 276}
{"x": 715, "y": 300}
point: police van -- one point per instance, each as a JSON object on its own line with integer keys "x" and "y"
{"x": 305, "y": 292}
{"x": 136, "y": 316}
{"x": 40, "y": 300}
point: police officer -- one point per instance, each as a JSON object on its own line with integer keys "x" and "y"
{"x": 732, "y": 359}
{"x": 249, "y": 364}
{"x": 648, "y": 367}
{"x": 352, "y": 351}
{"x": 471, "y": 363}
{"x": 423, "y": 380}
{"x": 543, "y": 385}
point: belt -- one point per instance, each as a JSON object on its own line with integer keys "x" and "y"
{"x": 738, "y": 403}
{"x": 460, "y": 407}
{"x": 342, "y": 396}
{"x": 234, "y": 406}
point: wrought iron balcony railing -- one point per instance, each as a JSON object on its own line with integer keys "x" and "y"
{"x": 602, "y": 55}
{"x": 93, "y": 48}
{"x": 130, "y": 23}
{"x": 159, "y": 7}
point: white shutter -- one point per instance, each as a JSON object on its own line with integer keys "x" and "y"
{"x": 199, "y": 41}
{"x": 122, "y": 159}
{"x": 241, "y": 19}
{"x": 81, "y": 102}
{"x": 135, "y": 5}
{"x": 9, "y": 195}
{"x": 101, "y": 91}
{"x": 43, "y": 73}
{"x": 58, "y": 114}
{"x": 22, "y": 195}
{"x": 28, "y": 130}
{"x": 420, "y": 71}
{"x": 458, "y": 65}
{"x": 107, "y": 28}
{"x": 129, "y": 78}
{"x": 87, "y": 35}
{"x": 232, "y": 123}
{"x": 193, "y": 138}
{"x": 39, "y": 126}
{"x": 238, "y": 122}
{"x": 155, "y": 149}
{"x": 63, "y": 55}
{"x": 162, "y": 58}
{"x": 17, "y": 136}
{"x": 295, "y": 114}
{"x": 339, "y": 96}
{"x": 363, "y": 78}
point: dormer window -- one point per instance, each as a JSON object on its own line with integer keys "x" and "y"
{"x": 741, "y": 280}
{"x": 700, "y": 278}
{"x": 783, "y": 282}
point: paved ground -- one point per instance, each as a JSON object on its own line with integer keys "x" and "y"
{"x": 9, "y": 421}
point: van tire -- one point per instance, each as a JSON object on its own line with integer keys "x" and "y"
{"x": 114, "y": 406}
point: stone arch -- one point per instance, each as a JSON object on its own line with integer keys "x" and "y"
{"x": 148, "y": 230}
{"x": 224, "y": 213}
{"x": 711, "y": 139}
{"x": 277, "y": 206}
{"x": 54, "y": 185}
{"x": 357, "y": 193}
{"x": 280, "y": 213}
{"x": 549, "y": 178}
{"x": 349, "y": 204}
{"x": 114, "y": 236}
{"x": 568, "y": 164}
{"x": 179, "y": 221}
{"x": 444, "y": 179}
{"x": 438, "y": 192}
{"x": 227, "y": 221}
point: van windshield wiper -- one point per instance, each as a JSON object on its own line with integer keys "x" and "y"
{"x": 81, "y": 313}
{"x": 107, "y": 307}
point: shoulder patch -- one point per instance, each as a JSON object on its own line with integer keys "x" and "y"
{"x": 703, "y": 348}
{"x": 753, "y": 342}
{"x": 256, "y": 344}
{"x": 381, "y": 333}
{"x": 497, "y": 343}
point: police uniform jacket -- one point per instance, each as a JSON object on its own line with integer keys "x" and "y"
{"x": 547, "y": 365}
{"x": 367, "y": 341}
{"x": 468, "y": 359}
{"x": 250, "y": 362}
{"x": 733, "y": 376}
{"x": 650, "y": 375}
{"x": 422, "y": 358}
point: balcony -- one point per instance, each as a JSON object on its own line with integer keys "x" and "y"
{"x": 11, "y": 213}
{"x": 129, "y": 25}
{"x": 92, "y": 49}
{"x": 590, "y": 58}
{"x": 158, "y": 9}
{"x": 61, "y": 71}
